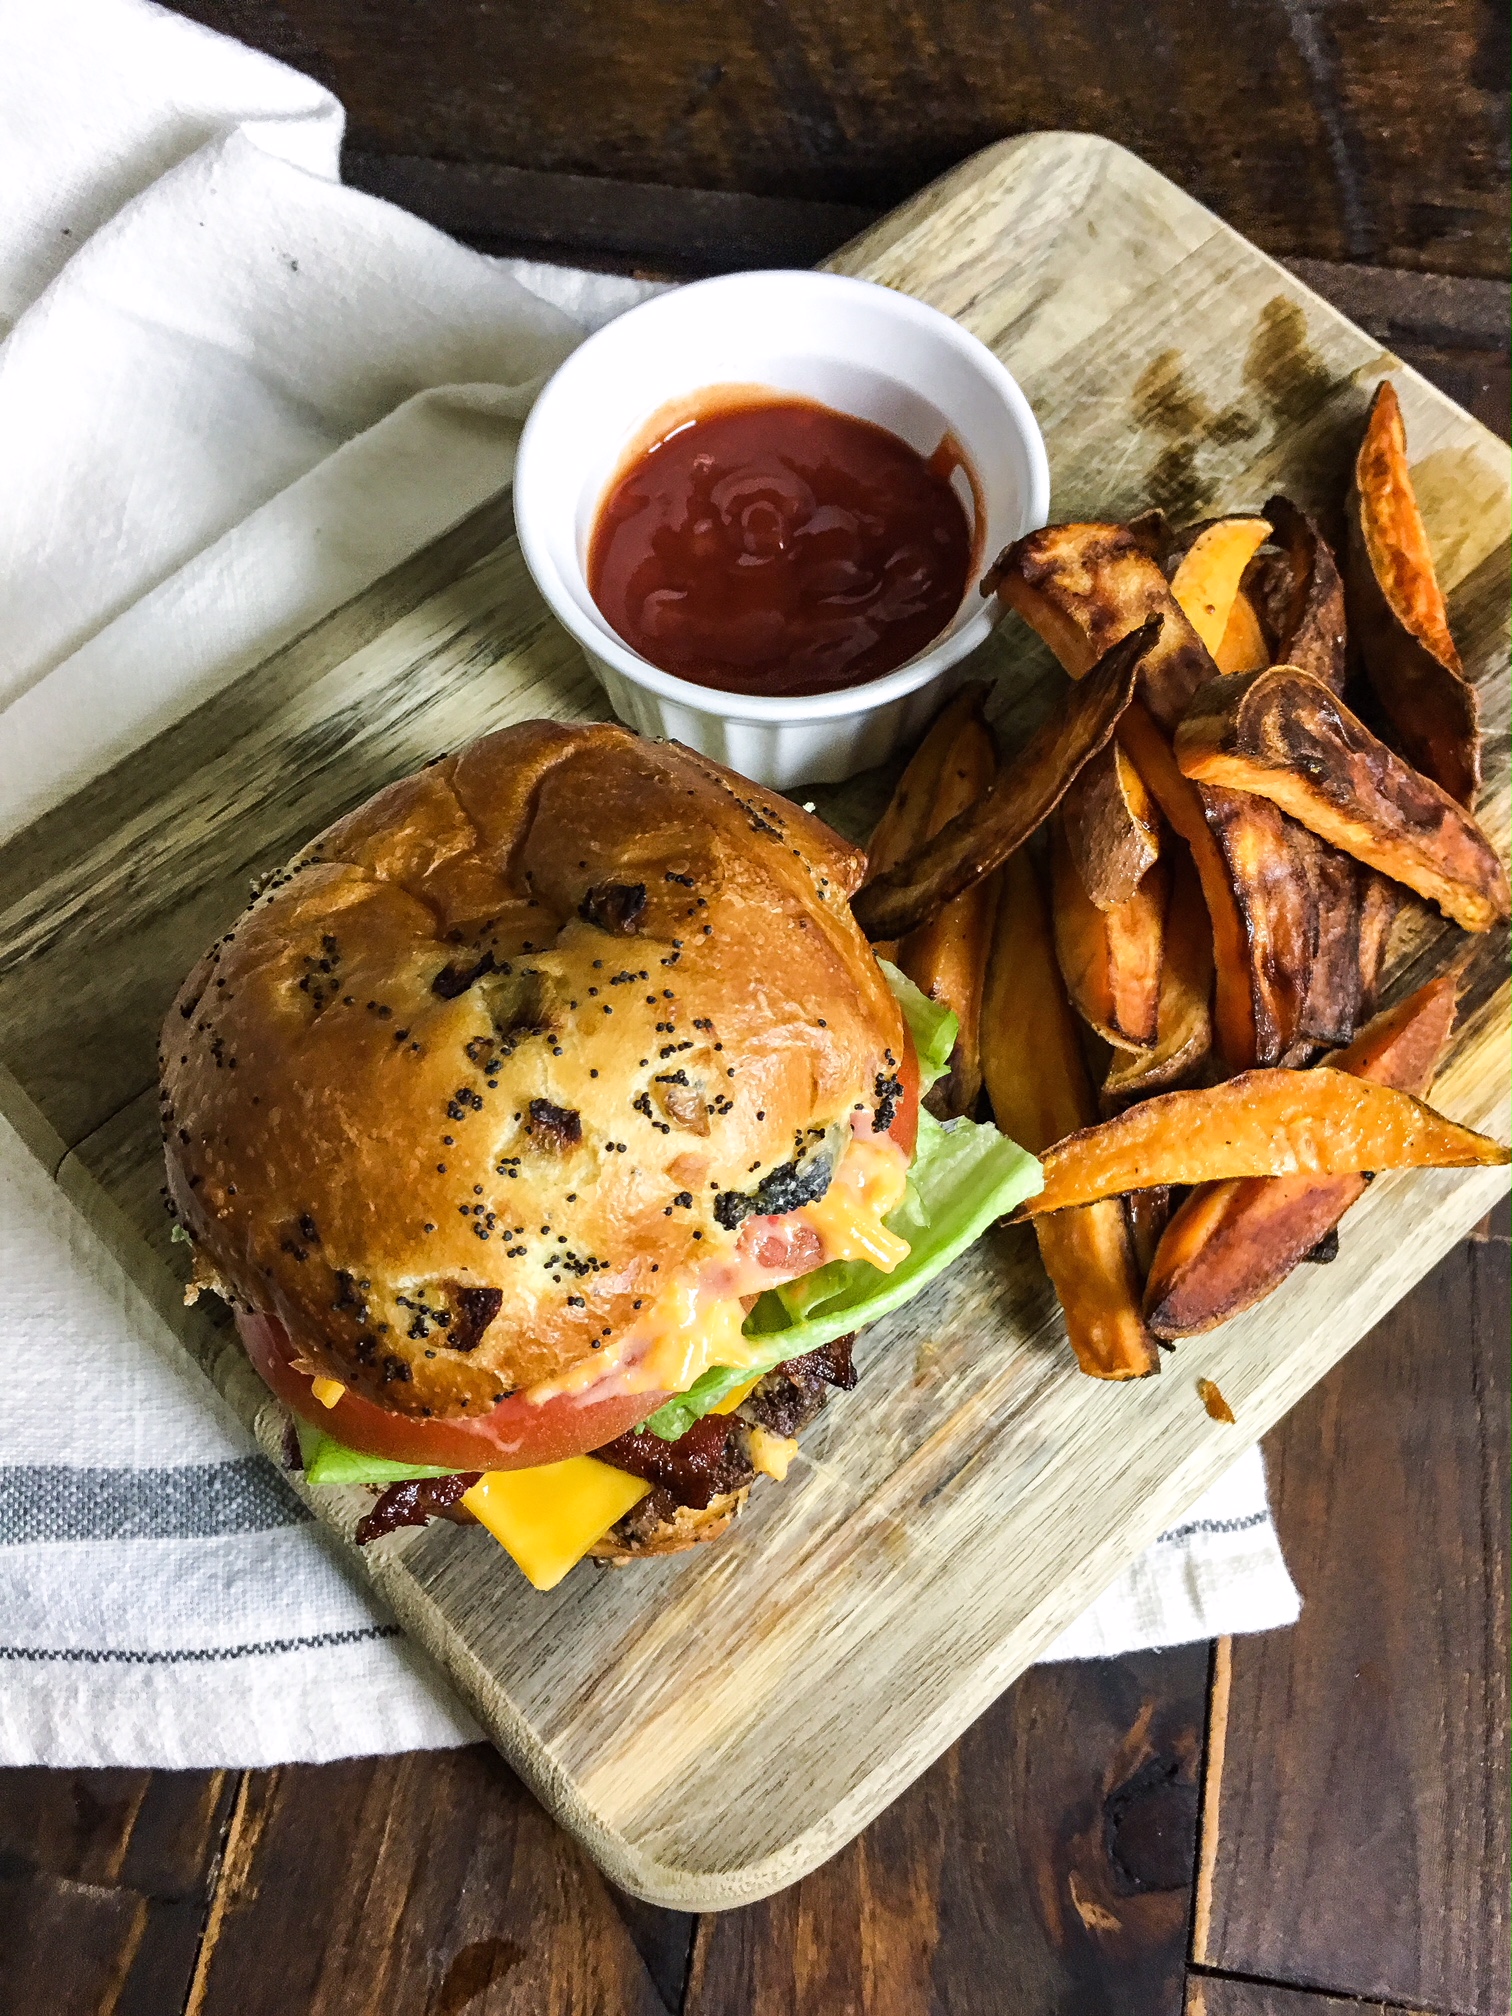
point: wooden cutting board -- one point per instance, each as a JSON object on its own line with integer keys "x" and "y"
{"x": 713, "y": 1726}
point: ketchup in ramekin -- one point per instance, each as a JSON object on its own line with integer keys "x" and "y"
{"x": 772, "y": 545}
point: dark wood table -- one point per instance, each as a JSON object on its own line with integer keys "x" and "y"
{"x": 1309, "y": 1823}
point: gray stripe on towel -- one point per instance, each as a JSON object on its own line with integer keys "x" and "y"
{"x": 181, "y": 1501}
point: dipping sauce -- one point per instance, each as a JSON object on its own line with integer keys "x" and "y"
{"x": 780, "y": 547}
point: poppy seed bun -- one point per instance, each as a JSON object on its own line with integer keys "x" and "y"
{"x": 468, "y": 1079}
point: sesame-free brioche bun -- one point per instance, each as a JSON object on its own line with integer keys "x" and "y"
{"x": 470, "y": 1077}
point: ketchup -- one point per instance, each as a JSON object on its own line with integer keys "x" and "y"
{"x": 780, "y": 547}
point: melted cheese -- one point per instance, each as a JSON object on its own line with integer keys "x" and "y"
{"x": 547, "y": 1518}
{"x": 698, "y": 1319}
{"x": 732, "y": 1400}
{"x": 771, "y": 1454}
{"x": 870, "y": 1182}
{"x": 327, "y": 1391}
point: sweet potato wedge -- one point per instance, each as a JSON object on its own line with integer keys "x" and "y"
{"x": 1242, "y": 647}
{"x": 1231, "y": 1243}
{"x": 1334, "y": 998}
{"x": 1110, "y": 960}
{"x": 1278, "y": 906}
{"x": 1112, "y": 827}
{"x": 947, "y": 958}
{"x": 1179, "y": 800}
{"x": 1288, "y": 737}
{"x": 1380, "y": 901}
{"x": 1262, "y": 1123}
{"x": 906, "y": 822}
{"x": 1211, "y": 563}
{"x": 1026, "y": 792}
{"x": 1396, "y": 608}
{"x": 1083, "y": 587}
{"x": 1038, "y": 1084}
{"x": 1148, "y": 1213}
{"x": 1296, "y": 585}
{"x": 1183, "y": 1024}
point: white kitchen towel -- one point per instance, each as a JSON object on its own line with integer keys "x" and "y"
{"x": 232, "y": 393}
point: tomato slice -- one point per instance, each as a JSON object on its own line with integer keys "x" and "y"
{"x": 905, "y": 1122}
{"x": 517, "y": 1435}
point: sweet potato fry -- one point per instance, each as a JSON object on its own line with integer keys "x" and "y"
{"x": 1038, "y": 1084}
{"x": 1026, "y": 792}
{"x": 1083, "y": 587}
{"x": 1211, "y": 563}
{"x": 1112, "y": 827}
{"x": 1288, "y": 737}
{"x": 1262, "y": 1123}
{"x": 1278, "y": 907}
{"x": 1231, "y": 1243}
{"x": 1148, "y": 1213}
{"x": 1334, "y": 997}
{"x": 1110, "y": 960}
{"x": 905, "y": 824}
{"x": 1184, "y": 1031}
{"x": 1380, "y": 901}
{"x": 1179, "y": 800}
{"x": 947, "y": 957}
{"x": 1242, "y": 648}
{"x": 1396, "y": 608}
{"x": 1300, "y": 597}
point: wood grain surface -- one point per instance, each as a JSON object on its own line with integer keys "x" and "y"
{"x": 862, "y": 1617}
{"x": 1358, "y": 1821}
{"x": 1364, "y": 133}
{"x": 1065, "y": 1820}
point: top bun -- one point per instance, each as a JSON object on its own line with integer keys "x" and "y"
{"x": 490, "y": 1053}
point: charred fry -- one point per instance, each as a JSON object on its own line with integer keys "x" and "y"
{"x": 1231, "y": 1243}
{"x": 947, "y": 958}
{"x": 1183, "y": 1028}
{"x": 1300, "y": 596}
{"x": 1397, "y": 611}
{"x": 1262, "y": 1123}
{"x": 1026, "y": 792}
{"x": 1277, "y": 905}
{"x": 1112, "y": 828}
{"x": 1083, "y": 587}
{"x": 1179, "y": 800}
{"x": 1037, "y": 1082}
{"x": 905, "y": 824}
{"x": 1288, "y": 737}
{"x": 1205, "y": 579}
{"x": 1110, "y": 960}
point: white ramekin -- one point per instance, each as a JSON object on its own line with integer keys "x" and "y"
{"x": 855, "y": 346}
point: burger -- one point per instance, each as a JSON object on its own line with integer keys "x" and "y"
{"x": 551, "y": 1128}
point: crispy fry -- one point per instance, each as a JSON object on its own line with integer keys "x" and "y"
{"x": 1026, "y": 792}
{"x": 1288, "y": 737}
{"x": 1112, "y": 827}
{"x": 1380, "y": 902}
{"x": 1184, "y": 1030}
{"x": 1262, "y": 1123}
{"x": 947, "y": 957}
{"x": 1038, "y": 1084}
{"x": 1083, "y": 587}
{"x": 1397, "y": 610}
{"x": 1231, "y": 1243}
{"x": 1148, "y": 1213}
{"x": 1335, "y": 999}
{"x": 905, "y": 824}
{"x": 1178, "y": 799}
{"x": 1300, "y": 597}
{"x": 1277, "y": 905}
{"x": 1206, "y": 577}
{"x": 1110, "y": 960}
{"x": 1242, "y": 647}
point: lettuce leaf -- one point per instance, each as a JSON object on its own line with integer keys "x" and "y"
{"x": 327, "y": 1461}
{"x": 934, "y": 1029}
